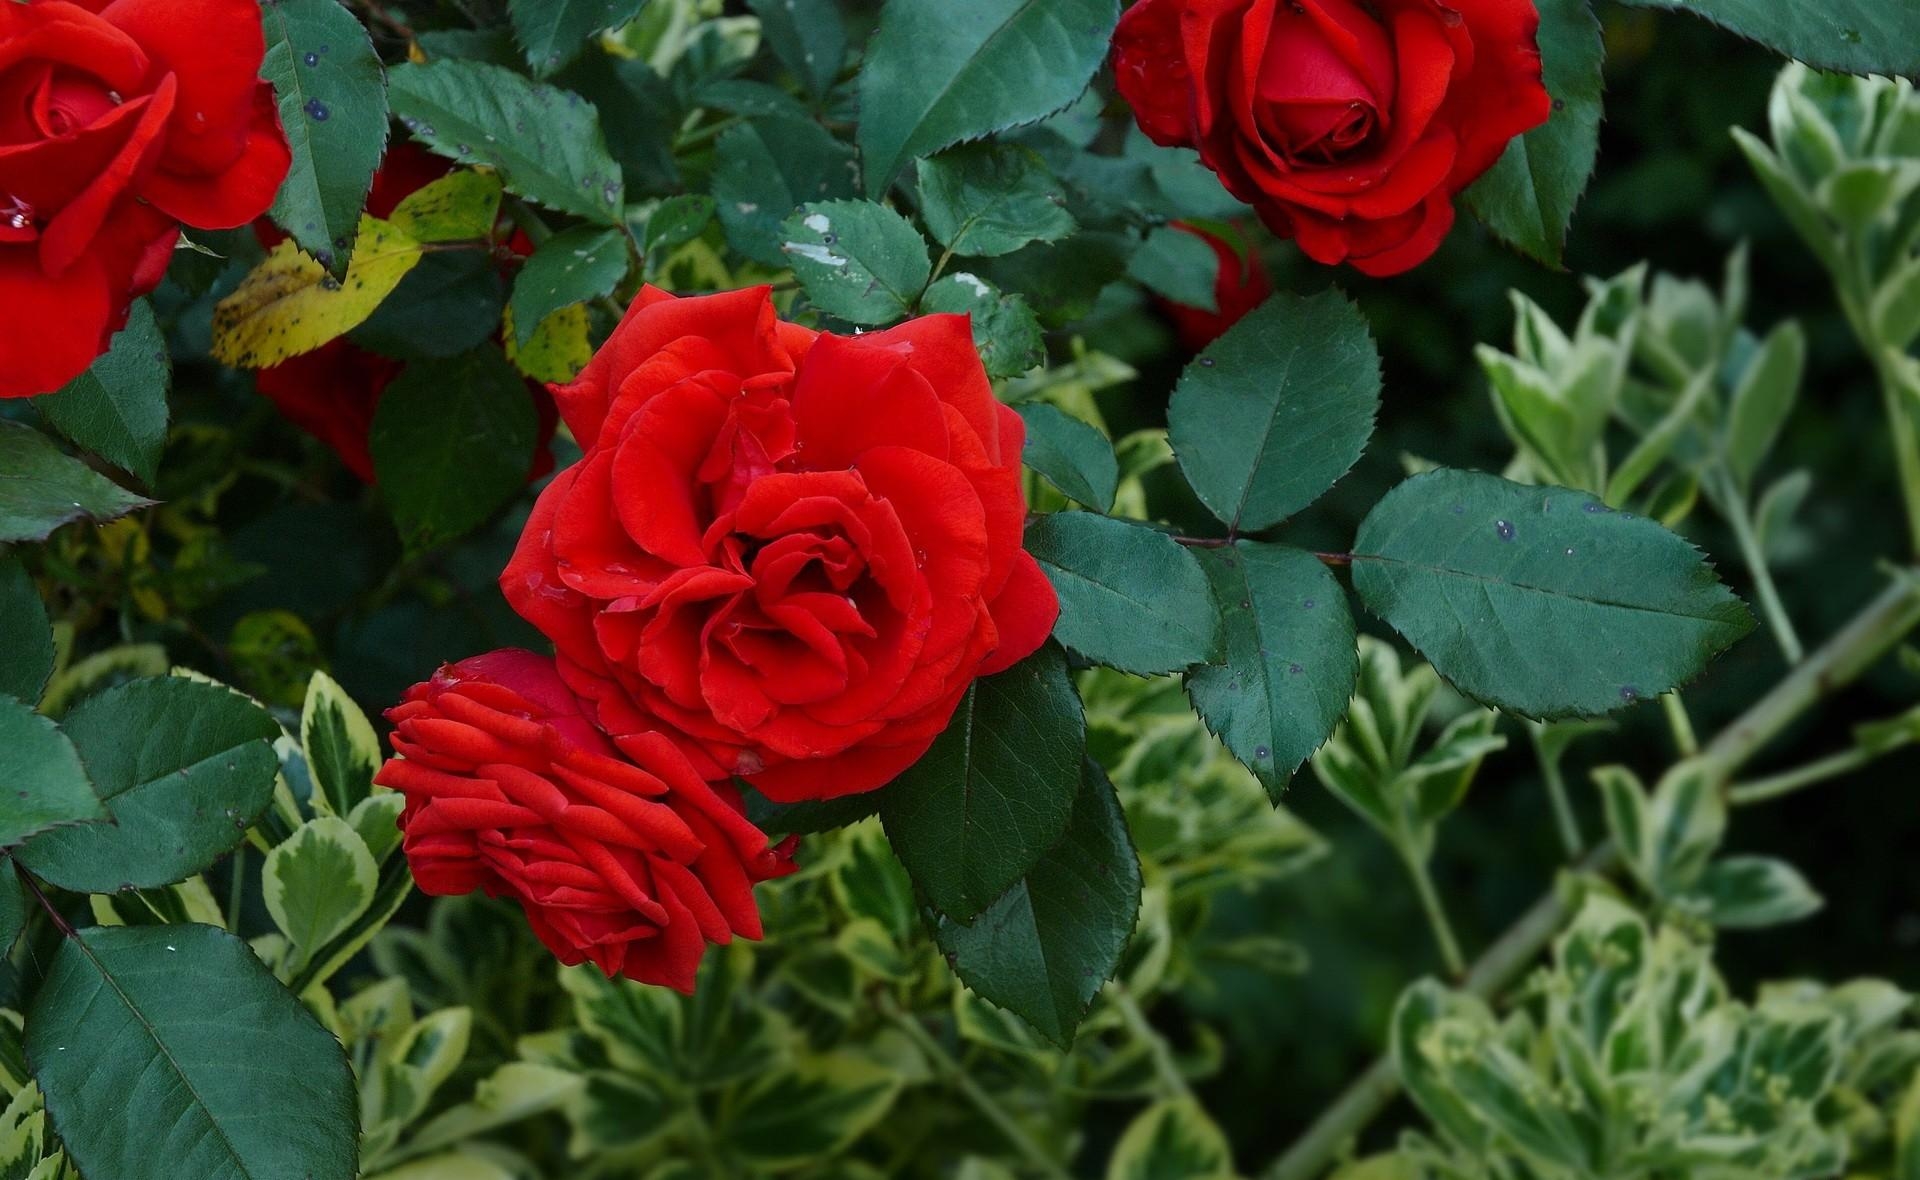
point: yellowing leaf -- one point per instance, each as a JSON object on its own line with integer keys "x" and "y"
{"x": 289, "y": 304}
{"x": 458, "y": 207}
{"x": 559, "y": 348}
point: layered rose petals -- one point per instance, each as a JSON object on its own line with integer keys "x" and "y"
{"x": 795, "y": 551}
{"x": 620, "y": 856}
{"x": 116, "y": 126}
{"x": 1348, "y": 126}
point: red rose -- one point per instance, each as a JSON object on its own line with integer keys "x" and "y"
{"x": 1243, "y": 284}
{"x": 116, "y": 126}
{"x": 622, "y": 857}
{"x": 333, "y": 391}
{"x": 1349, "y": 126}
{"x": 794, "y": 550}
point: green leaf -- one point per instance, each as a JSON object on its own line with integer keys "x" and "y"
{"x": 1541, "y": 600}
{"x": 1686, "y": 819}
{"x": 857, "y": 260}
{"x": 169, "y": 1051}
{"x": 26, "y": 635}
{"x": 42, "y": 488}
{"x": 984, "y": 804}
{"x": 1896, "y": 306}
{"x": 1047, "y": 945}
{"x": 765, "y": 169}
{"x": 1291, "y": 658}
{"x": 570, "y": 267}
{"x": 341, "y": 749}
{"x": 988, "y": 199}
{"x": 938, "y": 73}
{"x": 1754, "y": 892}
{"x": 1793, "y": 200}
{"x": 1071, "y": 455}
{"x": 46, "y": 786}
{"x": 318, "y": 882}
{"x": 808, "y": 1111}
{"x": 553, "y": 31}
{"x": 1178, "y": 266}
{"x": 808, "y": 35}
{"x": 452, "y": 441}
{"x": 545, "y": 142}
{"x": 118, "y": 408}
{"x": 1528, "y": 197}
{"x": 1005, "y": 328}
{"x": 333, "y": 107}
{"x": 1276, "y": 410}
{"x": 678, "y": 220}
{"x": 1851, "y": 36}
{"x": 1763, "y": 399}
{"x": 1172, "y": 1140}
{"x": 1131, "y": 597}
{"x": 13, "y": 907}
{"x": 184, "y": 767}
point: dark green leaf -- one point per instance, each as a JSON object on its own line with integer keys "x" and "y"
{"x": 809, "y": 816}
{"x": 1276, "y": 410}
{"x": 333, "y": 105}
{"x": 42, "y": 783}
{"x": 765, "y": 169}
{"x": 938, "y": 73}
{"x": 744, "y": 96}
{"x": 26, "y": 634}
{"x": 1130, "y": 597}
{"x": 1178, "y": 266}
{"x": 1048, "y": 944}
{"x": 808, "y": 35}
{"x": 41, "y": 488}
{"x": 678, "y": 220}
{"x": 13, "y": 906}
{"x": 452, "y": 441}
{"x": 808, "y": 1111}
{"x": 857, "y": 260}
{"x": 545, "y": 142}
{"x": 1541, "y": 600}
{"x": 1291, "y": 658}
{"x": 1005, "y": 328}
{"x": 449, "y": 303}
{"x": 118, "y": 408}
{"x": 988, "y": 199}
{"x": 570, "y": 267}
{"x": 552, "y": 31}
{"x": 169, "y": 1051}
{"x": 1853, "y": 36}
{"x": 1071, "y": 455}
{"x": 185, "y": 768}
{"x": 993, "y": 793}
{"x": 1528, "y": 197}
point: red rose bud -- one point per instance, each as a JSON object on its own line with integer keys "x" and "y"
{"x": 619, "y": 856}
{"x": 793, "y": 550}
{"x": 1242, "y": 286}
{"x": 1348, "y": 126}
{"x": 118, "y": 126}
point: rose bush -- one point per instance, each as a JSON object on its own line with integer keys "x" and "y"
{"x": 1349, "y": 127}
{"x": 119, "y": 122}
{"x": 619, "y": 857}
{"x": 793, "y": 549}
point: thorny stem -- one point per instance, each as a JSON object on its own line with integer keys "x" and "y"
{"x": 60, "y": 922}
{"x": 971, "y": 1090}
{"x": 1164, "y": 1065}
{"x": 1878, "y": 627}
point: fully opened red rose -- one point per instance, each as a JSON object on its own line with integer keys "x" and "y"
{"x": 621, "y": 857}
{"x": 794, "y": 550}
{"x": 118, "y": 122}
{"x": 1349, "y": 125}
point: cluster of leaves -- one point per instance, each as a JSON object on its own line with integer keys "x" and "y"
{"x": 1628, "y": 1057}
